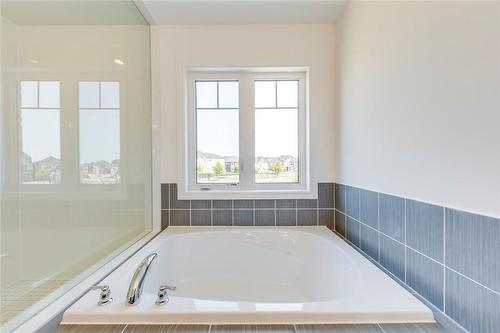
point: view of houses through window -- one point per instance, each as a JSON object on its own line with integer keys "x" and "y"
{"x": 276, "y": 131}
{"x": 217, "y": 131}
{"x": 275, "y": 135}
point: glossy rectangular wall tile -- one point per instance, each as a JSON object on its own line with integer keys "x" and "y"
{"x": 473, "y": 246}
{"x": 425, "y": 228}
{"x": 392, "y": 216}
{"x": 449, "y": 257}
{"x": 368, "y": 208}
{"x": 425, "y": 276}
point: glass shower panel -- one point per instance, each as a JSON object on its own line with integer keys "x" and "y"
{"x": 75, "y": 139}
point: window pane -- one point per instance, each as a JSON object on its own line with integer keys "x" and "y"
{"x": 110, "y": 95}
{"x": 100, "y": 146}
{"x": 265, "y": 94}
{"x": 276, "y": 145}
{"x": 288, "y": 94}
{"x": 29, "y": 94}
{"x": 229, "y": 95}
{"x": 88, "y": 95}
{"x": 217, "y": 135}
{"x": 41, "y": 156}
{"x": 49, "y": 94}
{"x": 206, "y": 95}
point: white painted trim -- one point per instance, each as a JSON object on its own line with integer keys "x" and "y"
{"x": 43, "y": 317}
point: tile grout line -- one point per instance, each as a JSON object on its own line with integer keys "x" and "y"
{"x": 296, "y": 214}
{"x": 275, "y": 217}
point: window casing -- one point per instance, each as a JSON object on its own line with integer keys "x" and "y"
{"x": 250, "y": 183}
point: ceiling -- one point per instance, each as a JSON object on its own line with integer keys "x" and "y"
{"x": 71, "y": 12}
{"x": 201, "y": 12}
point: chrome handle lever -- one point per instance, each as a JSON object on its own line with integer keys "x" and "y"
{"x": 162, "y": 294}
{"x": 105, "y": 296}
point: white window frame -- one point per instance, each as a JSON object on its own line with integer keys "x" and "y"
{"x": 246, "y": 188}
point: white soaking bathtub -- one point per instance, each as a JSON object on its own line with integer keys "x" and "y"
{"x": 253, "y": 275}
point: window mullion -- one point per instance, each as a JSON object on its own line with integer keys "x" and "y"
{"x": 246, "y": 133}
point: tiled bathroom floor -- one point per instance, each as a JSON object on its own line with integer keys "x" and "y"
{"x": 356, "y": 328}
{"x": 21, "y": 295}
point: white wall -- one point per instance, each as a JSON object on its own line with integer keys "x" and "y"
{"x": 419, "y": 101}
{"x": 175, "y": 47}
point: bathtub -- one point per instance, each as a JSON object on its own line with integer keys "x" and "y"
{"x": 257, "y": 275}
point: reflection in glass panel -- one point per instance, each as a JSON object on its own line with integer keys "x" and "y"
{"x": 49, "y": 94}
{"x": 41, "y": 142}
{"x": 99, "y": 146}
{"x": 276, "y": 133}
{"x": 110, "y": 95}
{"x": 29, "y": 94}
{"x": 100, "y": 134}
{"x": 88, "y": 95}
{"x": 206, "y": 95}
{"x": 217, "y": 133}
{"x": 265, "y": 94}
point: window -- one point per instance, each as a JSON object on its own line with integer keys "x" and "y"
{"x": 276, "y": 131}
{"x": 99, "y": 128}
{"x": 40, "y": 132}
{"x": 217, "y": 132}
{"x": 245, "y": 132}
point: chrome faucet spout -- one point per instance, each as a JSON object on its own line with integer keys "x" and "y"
{"x": 137, "y": 282}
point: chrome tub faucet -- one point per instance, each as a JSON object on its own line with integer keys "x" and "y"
{"x": 137, "y": 282}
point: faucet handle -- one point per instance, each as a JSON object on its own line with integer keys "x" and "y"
{"x": 162, "y": 294}
{"x": 105, "y": 296}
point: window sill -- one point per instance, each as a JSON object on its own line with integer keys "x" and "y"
{"x": 248, "y": 195}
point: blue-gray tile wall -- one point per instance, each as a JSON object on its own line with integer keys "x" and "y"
{"x": 473, "y": 246}
{"x": 392, "y": 216}
{"x": 340, "y": 200}
{"x": 425, "y": 228}
{"x": 340, "y": 223}
{"x": 425, "y": 276}
{"x": 265, "y": 217}
{"x": 326, "y": 195}
{"x": 369, "y": 241}
{"x": 265, "y": 212}
{"x": 471, "y": 305}
{"x": 327, "y": 218}
{"x": 368, "y": 208}
{"x": 450, "y": 258}
{"x": 352, "y": 231}
{"x": 352, "y": 201}
{"x": 392, "y": 256}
